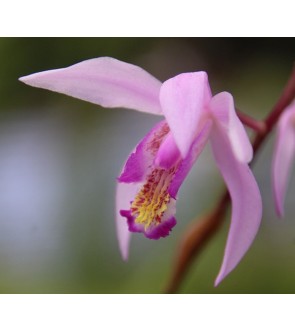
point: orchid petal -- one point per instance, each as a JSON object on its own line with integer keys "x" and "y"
{"x": 246, "y": 201}
{"x": 104, "y": 81}
{"x": 223, "y": 109}
{"x": 168, "y": 153}
{"x": 183, "y": 100}
{"x": 283, "y": 157}
{"x": 142, "y": 158}
{"x": 194, "y": 152}
{"x": 124, "y": 195}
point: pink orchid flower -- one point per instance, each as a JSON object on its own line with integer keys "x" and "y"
{"x": 150, "y": 180}
{"x": 283, "y": 157}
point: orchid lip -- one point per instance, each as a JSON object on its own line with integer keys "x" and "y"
{"x": 154, "y": 233}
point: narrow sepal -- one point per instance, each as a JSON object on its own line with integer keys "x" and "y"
{"x": 104, "y": 81}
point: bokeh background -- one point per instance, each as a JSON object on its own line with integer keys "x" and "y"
{"x": 59, "y": 158}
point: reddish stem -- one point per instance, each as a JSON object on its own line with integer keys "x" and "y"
{"x": 256, "y": 125}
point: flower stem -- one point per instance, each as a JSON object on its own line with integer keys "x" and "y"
{"x": 203, "y": 229}
{"x": 256, "y": 125}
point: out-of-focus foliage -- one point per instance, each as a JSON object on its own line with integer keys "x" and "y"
{"x": 59, "y": 158}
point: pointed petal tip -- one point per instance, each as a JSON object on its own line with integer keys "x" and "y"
{"x": 279, "y": 208}
{"x": 32, "y": 80}
{"x": 22, "y": 79}
{"x": 223, "y": 273}
{"x": 278, "y": 198}
{"x": 124, "y": 256}
{"x": 218, "y": 280}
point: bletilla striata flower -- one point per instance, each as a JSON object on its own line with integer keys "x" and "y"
{"x": 154, "y": 171}
{"x": 283, "y": 157}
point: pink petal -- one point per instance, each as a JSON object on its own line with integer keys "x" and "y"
{"x": 125, "y": 194}
{"x": 223, "y": 109}
{"x": 246, "y": 201}
{"x": 283, "y": 157}
{"x": 104, "y": 81}
{"x": 194, "y": 152}
{"x": 168, "y": 153}
{"x": 142, "y": 158}
{"x": 183, "y": 100}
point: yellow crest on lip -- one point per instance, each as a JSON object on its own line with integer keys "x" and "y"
{"x": 152, "y": 200}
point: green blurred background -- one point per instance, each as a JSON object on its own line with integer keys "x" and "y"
{"x": 59, "y": 158}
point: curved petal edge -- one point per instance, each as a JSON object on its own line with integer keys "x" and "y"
{"x": 104, "y": 81}
{"x": 246, "y": 202}
{"x": 183, "y": 100}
